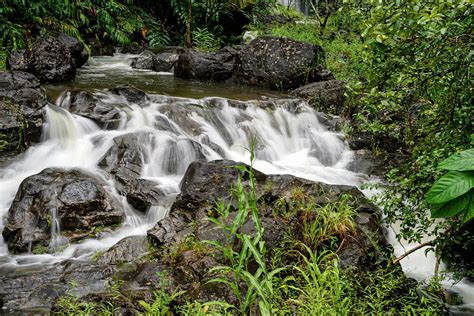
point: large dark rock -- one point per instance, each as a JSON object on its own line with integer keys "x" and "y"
{"x": 325, "y": 96}
{"x": 143, "y": 61}
{"x": 20, "y": 60}
{"x": 33, "y": 291}
{"x": 78, "y": 51}
{"x": 12, "y": 126}
{"x": 53, "y": 61}
{"x": 164, "y": 61}
{"x": 125, "y": 160}
{"x": 280, "y": 63}
{"x": 206, "y": 66}
{"x": 105, "y": 114}
{"x": 131, "y": 94}
{"x": 126, "y": 250}
{"x": 207, "y": 183}
{"x": 78, "y": 198}
{"x": 24, "y": 89}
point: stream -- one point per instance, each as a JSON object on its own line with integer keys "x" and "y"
{"x": 179, "y": 130}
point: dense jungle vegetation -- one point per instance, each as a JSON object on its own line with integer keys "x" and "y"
{"x": 408, "y": 68}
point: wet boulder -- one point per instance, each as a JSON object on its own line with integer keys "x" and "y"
{"x": 129, "y": 154}
{"x": 164, "y": 61}
{"x": 206, "y": 66}
{"x": 324, "y": 96}
{"x": 126, "y": 250}
{"x": 78, "y": 50}
{"x": 12, "y": 126}
{"x": 76, "y": 199}
{"x": 125, "y": 161}
{"x": 131, "y": 94}
{"x": 280, "y": 63}
{"x": 25, "y": 91}
{"x": 207, "y": 184}
{"x": 20, "y": 60}
{"x": 53, "y": 61}
{"x": 143, "y": 61}
{"x": 107, "y": 115}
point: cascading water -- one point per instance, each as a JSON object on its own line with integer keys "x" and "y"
{"x": 173, "y": 133}
{"x": 57, "y": 241}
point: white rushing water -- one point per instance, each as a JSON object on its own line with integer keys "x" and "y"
{"x": 290, "y": 140}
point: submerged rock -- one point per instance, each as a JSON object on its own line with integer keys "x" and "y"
{"x": 78, "y": 199}
{"x": 280, "y": 63}
{"x": 125, "y": 160}
{"x": 128, "y": 156}
{"x": 25, "y": 91}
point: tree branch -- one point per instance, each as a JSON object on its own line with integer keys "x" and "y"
{"x": 409, "y": 252}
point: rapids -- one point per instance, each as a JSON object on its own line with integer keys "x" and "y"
{"x": 290, "y": 140}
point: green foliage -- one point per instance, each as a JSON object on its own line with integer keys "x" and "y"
{"x": 161, "y": 303}
{"x": 204, "y": 40}
{"x": 3, "y": 59}
{"x": 115, "y": 21}
{"x": 40, "y": 249}
{"x": 453, "y": 193}
{"x": 344, "y": 53}
{"x": 259, "y": 284}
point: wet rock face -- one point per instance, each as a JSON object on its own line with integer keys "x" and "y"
{"x": 280, "y": 63}
{"x": 19, "y": 60}
{"x": 34, "y": 292}
{"x": 78, "y": 198}
{"x": 206, "y": 66}
{"x": 164, "y": 61}
{"x": 131, "y": 94}
{"x": 325, "y": 96}
{"x": 24, "y": 90}
{"x": 77, "y": 49}
{"x": 12, "y": 126}
{"x": 83, "y": 103}
{"x": 206, "y": 183}
{"x": 53, "y": 61}
{"x": 125, "y": 160}
{"x": 143, "y": 61}
{"x": 126, "y": 250}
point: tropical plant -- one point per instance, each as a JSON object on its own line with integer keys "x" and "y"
{"x": 453, "y": 193}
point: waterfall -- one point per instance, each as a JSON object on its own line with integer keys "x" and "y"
{"x": 57, "y": 241}
{"x": 172, "y": 133}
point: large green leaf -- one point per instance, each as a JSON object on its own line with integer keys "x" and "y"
{"x": 452, "y": 207}
{"x": 450, "y": 186}
{"x": 470, "y": 210}
{"x": 462, "y": 161}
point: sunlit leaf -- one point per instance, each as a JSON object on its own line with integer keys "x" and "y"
{"x": 450, "y": 186}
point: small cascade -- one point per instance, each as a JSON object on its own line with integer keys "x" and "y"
{"x": 64, "y": 128}
{"x": 166, "y": 135}
{"x": 57, "y": 241}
